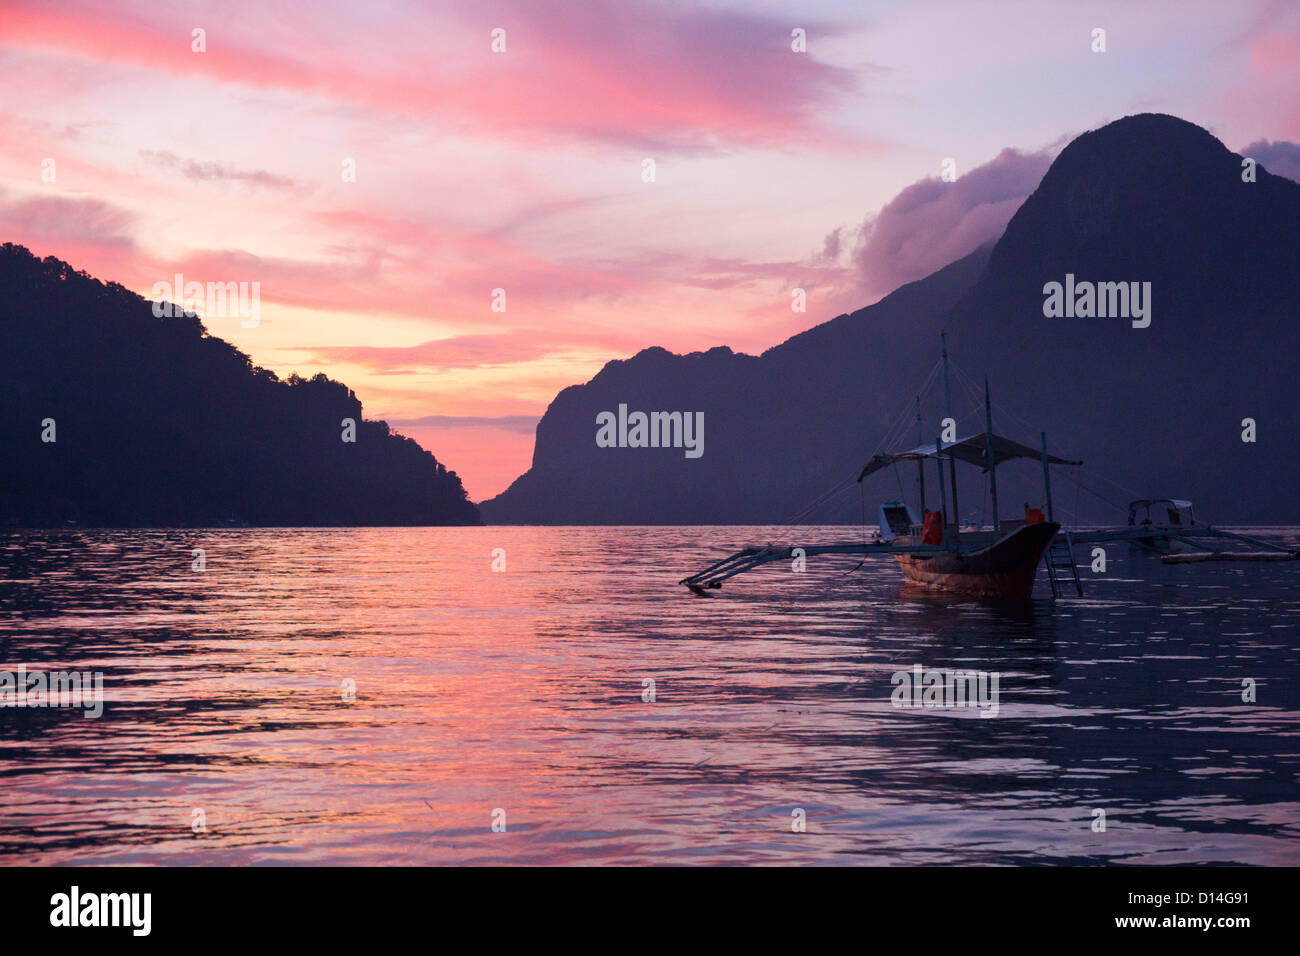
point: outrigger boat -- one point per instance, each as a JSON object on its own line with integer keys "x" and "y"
{"x": 938, "y": 555}
{"x": 988, "y": 564}
{"x": 994, "y": 564}
{"x": 1168, "y": 527}
{"x": 1189, "y": 545}
{"x": 1001, "y": 563}
{"x": 1159, "y": 517}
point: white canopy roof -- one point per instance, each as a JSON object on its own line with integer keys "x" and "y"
{"x": 1147, "y": 502}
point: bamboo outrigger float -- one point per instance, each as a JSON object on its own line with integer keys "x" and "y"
{"x": 1001, "y": 563}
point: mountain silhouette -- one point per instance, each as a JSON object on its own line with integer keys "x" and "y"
{"x": 156, "y": 423}
{"x": 1154, "y": 411}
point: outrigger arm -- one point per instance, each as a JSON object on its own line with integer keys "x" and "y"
{"x": 747, "y": 559}
{"x": 1190, "y": 535}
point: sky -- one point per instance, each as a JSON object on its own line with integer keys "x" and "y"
{"x": 461, "y": 208}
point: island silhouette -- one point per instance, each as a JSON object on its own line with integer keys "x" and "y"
{"x": 115, "y": 417}
{"x": 1154, "y": 405}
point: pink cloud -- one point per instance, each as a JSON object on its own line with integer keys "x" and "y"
{"x": 1276, "y": 58}
{"x": 461, "y": 351}
{"x": 1276, "y": 53}
{"x": 59, "y": 219}
{"x": 88, "y": 233}
{"x": 1262, "y": 96}
{"x": 510, "y": 347}
{"x": 659, "y": 75}
{"x": 216, "y": 172}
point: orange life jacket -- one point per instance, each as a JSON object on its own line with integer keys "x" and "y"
{"x": 932, "y": 530}
{"x": 1034, "y": 516}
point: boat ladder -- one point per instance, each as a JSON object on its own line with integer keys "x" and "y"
{"x": 1061, "y": 568}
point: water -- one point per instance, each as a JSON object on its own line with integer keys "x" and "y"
{"x": 522, "y": 691}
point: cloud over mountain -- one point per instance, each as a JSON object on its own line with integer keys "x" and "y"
{"x": 932, "y": 222}
{"x": 1279, "y": 157}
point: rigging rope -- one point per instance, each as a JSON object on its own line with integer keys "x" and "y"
{"x": 795, "y": 524}
{"x": 891, "y": 436}
{"x": 1074, "y": 475}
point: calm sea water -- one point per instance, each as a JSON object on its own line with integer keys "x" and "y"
{"x": 522, "y": 691}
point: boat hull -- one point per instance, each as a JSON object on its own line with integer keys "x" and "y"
{"x": 1004, "y": 570}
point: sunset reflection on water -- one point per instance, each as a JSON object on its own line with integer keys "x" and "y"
{"x": 521, "y": 691}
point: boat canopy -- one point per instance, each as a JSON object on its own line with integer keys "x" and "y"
{"x": 1148, "y": 502}
{"x": 973, "y": 449}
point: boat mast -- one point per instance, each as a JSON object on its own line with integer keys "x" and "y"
{"x": 943, "y": 505}
{"x": 952, "y": 462}
{"x": 920, "y": 462}
{"x": 992, "y": 460}
{"x": 1047, "y": 481}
